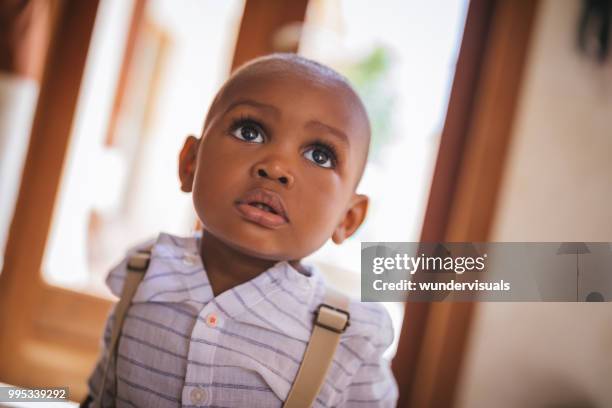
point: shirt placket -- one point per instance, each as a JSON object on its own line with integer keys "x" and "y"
{"x": 197, "y": 390}
{"x": 202, "y": 346}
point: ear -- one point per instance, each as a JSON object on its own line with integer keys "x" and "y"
{"x": 353, "y": 218}
{"x": 187, "y": 163}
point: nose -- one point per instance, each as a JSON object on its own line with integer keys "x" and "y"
{"x": 274, "y": 171}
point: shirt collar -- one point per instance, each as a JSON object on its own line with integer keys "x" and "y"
{"x": 176, "y": 274}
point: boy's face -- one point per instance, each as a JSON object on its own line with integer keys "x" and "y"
{"x": 302, "y": 140}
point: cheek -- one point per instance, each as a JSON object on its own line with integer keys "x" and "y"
{"x": 216, "y": 169}
{"x": 322, "y": 205}
{"x": 199, "y": 196}
{"x": 212, "y": 201}
{"x": 210, "y": 187}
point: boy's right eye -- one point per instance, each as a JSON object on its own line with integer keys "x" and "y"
{"x": 249, "y": 132}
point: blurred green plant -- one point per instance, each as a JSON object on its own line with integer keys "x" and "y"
{"x": 370, "y": 77}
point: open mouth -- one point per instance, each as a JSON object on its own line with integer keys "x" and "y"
{"x": 263, "y": 206}
{"x": 261, "y": 214}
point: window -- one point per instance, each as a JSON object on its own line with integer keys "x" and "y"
{"x": 120, "y": 182}
{"x": 401, "y": 57}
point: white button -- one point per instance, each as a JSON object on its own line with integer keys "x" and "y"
{"x": 197, "y": 395}
{"x": 212, "y": 320}
{"x": 189, "y": 259}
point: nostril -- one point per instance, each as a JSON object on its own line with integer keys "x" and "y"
{"x": 262, "y": 173}
{"x": 283, "y": 180}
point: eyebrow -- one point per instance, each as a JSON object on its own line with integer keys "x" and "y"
{"x": 336, "y": 132}
{"x": 276, "y": 112}
{"x": 250, "y": 102}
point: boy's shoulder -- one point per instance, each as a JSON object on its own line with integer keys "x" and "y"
{"x": 116, "y": 277}
{"x": 168, "y": 246}
{"x": 370, "y": 328}
{"x": 371, "y": 322}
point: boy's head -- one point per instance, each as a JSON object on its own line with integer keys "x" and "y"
{"x": 286, "y": 132}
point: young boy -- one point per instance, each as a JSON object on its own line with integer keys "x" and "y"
{"x": 223, "y": 318}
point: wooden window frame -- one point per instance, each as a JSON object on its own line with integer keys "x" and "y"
{"x": 464, "y": 189}
{"x": 45, "y": 328}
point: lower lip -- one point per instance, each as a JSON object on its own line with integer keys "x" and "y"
{"x": 260, "y": 217}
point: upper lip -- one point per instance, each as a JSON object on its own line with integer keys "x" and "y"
{"x": 265, "y": 196}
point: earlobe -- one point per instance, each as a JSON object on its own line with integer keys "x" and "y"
{"x": 338, "y": 235}
{"x": 353, "y": 218}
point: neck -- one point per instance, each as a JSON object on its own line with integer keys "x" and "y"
{"x": 227, "y": 267}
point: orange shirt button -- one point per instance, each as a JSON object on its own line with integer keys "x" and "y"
{"x": 212, "y": 320}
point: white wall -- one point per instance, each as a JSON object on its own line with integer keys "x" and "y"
{"x": 557, "y": 187}
{"x": 17, "y": 103}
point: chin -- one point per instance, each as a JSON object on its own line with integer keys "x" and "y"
{"x": 257, "y": 250}
{"x": 256, "y": 243}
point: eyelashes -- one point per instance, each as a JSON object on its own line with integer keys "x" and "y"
{"x": 242, "y": 128}
{"x": 330, "y": 150}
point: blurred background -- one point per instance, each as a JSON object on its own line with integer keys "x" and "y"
{"x": 97, "y": 97}
{"x": 119, "y": 183}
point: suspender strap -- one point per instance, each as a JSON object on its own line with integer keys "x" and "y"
{"x": 332, "y": 319}
{"x": 136, "y": 268}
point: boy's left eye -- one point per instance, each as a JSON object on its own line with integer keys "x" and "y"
{"x": 321, "y": 156}
{"x": 248, "y": 133}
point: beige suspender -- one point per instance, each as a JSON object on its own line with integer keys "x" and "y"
{"x": 331, "y": 320}
{"x": 136, "y": 268}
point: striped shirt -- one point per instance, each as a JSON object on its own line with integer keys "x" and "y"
{"x": 182, "y": 346}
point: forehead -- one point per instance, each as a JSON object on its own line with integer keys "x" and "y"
{"x": 300, "y": 97}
